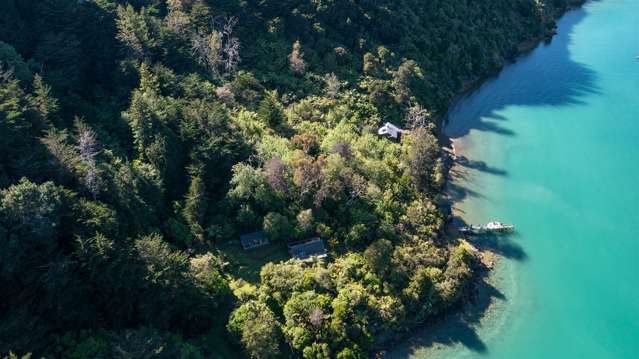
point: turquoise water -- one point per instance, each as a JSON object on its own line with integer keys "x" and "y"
{"x": 552, "y": 145}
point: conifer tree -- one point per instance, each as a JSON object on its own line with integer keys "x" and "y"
{"x": 134, "y": 31}
{"x": 195, "y": 204}
{"x": 143, "y": 119}
{"x": 271, "y": 110}
{"x": 42, "y": 101}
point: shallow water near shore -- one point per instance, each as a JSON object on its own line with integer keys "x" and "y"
{"x": 552, "y": 145}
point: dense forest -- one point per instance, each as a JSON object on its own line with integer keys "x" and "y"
{"x": 139, "y": 139}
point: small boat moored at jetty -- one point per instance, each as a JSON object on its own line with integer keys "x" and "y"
{"x": 491, "y": 227}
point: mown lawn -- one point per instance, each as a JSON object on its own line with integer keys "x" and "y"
{"x": 247, "y": 264}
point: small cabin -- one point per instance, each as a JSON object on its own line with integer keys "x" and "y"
{"x": 307, "y": 250}
{"x": 253, "y": 240}
{"x": 391, "y": 131}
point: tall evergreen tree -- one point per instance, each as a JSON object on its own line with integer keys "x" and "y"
{"x": 195, "y": 204}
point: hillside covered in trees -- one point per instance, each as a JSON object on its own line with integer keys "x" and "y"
{"x": 139, "y": 139}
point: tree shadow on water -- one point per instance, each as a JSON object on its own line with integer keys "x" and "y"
{"x": 458, "y": 192}
{"x": 458, "y": 328}
{"x": 548, "y": 76}
{"x": 478, "y": 165}
{"x": 502, "y": 245}
{"x": 457, "y": 188}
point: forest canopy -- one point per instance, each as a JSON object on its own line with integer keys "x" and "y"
{"x": 139, "y": 139}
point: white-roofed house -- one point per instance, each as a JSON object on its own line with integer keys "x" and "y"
{"x": 391, "y": 131}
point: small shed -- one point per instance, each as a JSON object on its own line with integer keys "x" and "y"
{"x": 390, "y": 130}
{"x": 307, "y": 250}
{"x": 253, "y": 240}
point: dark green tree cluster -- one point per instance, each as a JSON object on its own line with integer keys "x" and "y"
{"x": 138, "y": 138}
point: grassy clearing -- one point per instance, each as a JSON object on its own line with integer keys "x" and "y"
{"x": 247, "y": 264}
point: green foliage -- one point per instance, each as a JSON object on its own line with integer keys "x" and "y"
{"x": 377, "y": 255}
{"x": 421, "y": 159}
{"x": 351, "y": 315}
{"x": 255, "y": 326}
{"x": 209, "y": 278}
{"x": 11, "y": 63}
{"x": 135, "y": 31}
{"x": 32, "y": 212}
{"x": 270, "y": 110}
{"x": 351, "y": 353}
{"x": 277, "y": 227}
{"x": 305, "y": 319}
{"x": 424, "y": 218}
{"x": 42, "y": 101}
{"x": 195, "y": 206}
{"x": 305, "y": 225}
{"x": 403, "y": 79}
{"x": 20, "y": 151}
{"x": 128, "y": 128}
{"x": 12, "y": 355}
{"x": 317, "y": 351}
{"x": 143, "y": 342}
{"x": 280, "y": 281}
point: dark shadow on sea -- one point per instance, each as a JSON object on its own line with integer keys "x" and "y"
{"x": 458, "y": 328}
{"x": 463, "y": 161}
{"x": 546, "y": 77}
{"x": 502, "y": 245}
{"x": 455, "y": 188}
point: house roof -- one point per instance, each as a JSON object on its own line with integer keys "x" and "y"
{"x": 252, "y": 240}
{"x": 390, "y": 130}
{"x": 314, "y": 247}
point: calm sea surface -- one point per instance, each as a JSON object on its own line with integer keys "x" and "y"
{"x": 552, "y": 145}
